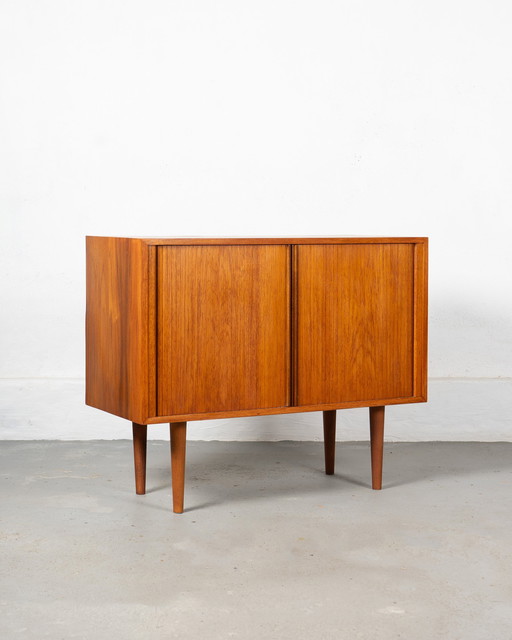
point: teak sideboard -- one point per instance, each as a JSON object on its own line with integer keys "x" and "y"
{"x": 182, "y": 329}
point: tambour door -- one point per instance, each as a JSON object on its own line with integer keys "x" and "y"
{"x": 223, "y": 328}
{"x": 355, "y": 322}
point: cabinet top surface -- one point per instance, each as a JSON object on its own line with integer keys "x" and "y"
{"x": 184, "y": 240}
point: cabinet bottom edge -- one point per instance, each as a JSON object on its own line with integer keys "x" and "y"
{"x": 268, "y": 411}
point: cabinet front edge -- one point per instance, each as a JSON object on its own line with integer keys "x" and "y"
{"x": 276, "y": 240}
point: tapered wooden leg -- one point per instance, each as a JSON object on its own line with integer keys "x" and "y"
{"x": 178, "y": 447}
{"x": 329, "y": 441}
{"x": 140, "y": 436}
{"x": 377, "y": 444}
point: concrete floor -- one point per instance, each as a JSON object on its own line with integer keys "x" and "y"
{"x": 269, "y": 547}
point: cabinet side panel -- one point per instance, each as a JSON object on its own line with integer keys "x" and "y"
{"x": 117, "y": 327}
{"x": 223, "y": 328}
{"x": 355, "y": 322}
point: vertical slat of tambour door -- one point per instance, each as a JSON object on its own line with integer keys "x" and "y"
{"x": 420, "y": 318}
{"x": 152, "y": 329}
{"x": 294, "y": 310}
{"x": 289, "y": 322}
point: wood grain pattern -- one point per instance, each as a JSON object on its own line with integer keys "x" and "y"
{"x": 117, "y": 327}
{"x": 355, "y": 322}
{"x": 121, "y": 318}
{"x": 223, "y": 328}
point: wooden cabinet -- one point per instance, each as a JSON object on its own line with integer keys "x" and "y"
{"x": 191, "y": 329}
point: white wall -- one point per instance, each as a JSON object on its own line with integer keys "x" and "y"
{"x": 256, "y": 118}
